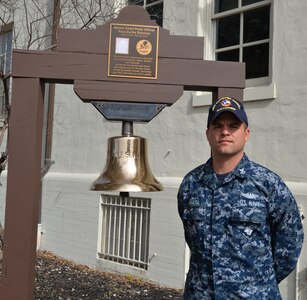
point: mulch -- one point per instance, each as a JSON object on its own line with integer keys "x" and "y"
{"x": 58, "y": 278}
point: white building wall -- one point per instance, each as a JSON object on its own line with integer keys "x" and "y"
{"x": 70, "y": 218}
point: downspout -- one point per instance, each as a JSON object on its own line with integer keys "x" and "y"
{"x": 297, "y": 279}
{"x": 50, "y": 110}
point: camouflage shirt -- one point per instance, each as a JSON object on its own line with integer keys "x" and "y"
{"x": 244, "y": 232}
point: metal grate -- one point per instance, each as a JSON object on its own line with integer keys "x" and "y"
{"x": 125, "y": 230}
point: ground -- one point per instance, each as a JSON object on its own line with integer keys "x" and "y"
{"x": 58, "y": 278}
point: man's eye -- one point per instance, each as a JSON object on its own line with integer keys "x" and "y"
{"x": 217, "y": 125}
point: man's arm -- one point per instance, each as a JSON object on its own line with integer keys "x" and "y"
{"x": 287, "y": 231}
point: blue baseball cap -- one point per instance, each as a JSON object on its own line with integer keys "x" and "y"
{"x": 227, "y": 104}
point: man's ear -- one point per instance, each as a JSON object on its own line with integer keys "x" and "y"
{"x": 247, "y": 134}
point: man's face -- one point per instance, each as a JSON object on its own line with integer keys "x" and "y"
{"x": 227, "y": 135}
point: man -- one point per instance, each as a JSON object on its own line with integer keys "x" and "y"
{"x": 241, "y": 222}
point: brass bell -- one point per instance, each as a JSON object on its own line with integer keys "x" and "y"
{"x": 127, "y": 168}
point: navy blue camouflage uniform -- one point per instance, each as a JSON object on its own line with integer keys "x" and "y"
{"x": 244, "y": 232}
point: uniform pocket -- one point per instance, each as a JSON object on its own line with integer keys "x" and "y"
{"x": 196, "y": 223}
{"x": 248, "y": 216}
{"x": 249, "y": 243}
{"x": 246, "y": 226}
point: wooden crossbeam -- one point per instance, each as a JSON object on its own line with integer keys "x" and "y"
{"x": 66, "y": 67}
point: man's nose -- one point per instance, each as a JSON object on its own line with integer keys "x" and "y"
{"x": 225, "y": 130}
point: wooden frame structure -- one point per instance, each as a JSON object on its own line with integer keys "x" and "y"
{"x": 81, "y": 60}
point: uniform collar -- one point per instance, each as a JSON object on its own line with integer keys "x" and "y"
{"x": 241, "y": 170}
{"x": 208, "y": 176}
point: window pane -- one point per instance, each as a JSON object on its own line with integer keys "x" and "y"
{"x": 2, "y": 43}
{"x": 232, "y": 55}
{"x": 256, "y": 24}
{"x": 228, "y": 31}
{"x": 156, "y": 13}
{"x": 136, "y": 2}
{"x": 257, "y": 60}
{"x": 151, "y": 1}
{"x": 7, "y": 67}
{"x": 9, "y": 42}
{"x": 223, "y": 5}
{"x": 247, "y": 2}
{"x": 2, "y": 64}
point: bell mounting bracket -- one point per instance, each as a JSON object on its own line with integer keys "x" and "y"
{"x": 123, "y": 111}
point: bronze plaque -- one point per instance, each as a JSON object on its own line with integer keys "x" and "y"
{"x": 133, "y": 51}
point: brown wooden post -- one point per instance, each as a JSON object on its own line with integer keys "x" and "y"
{"x": 23, "y": 190}
{"x": 230, "y": 92}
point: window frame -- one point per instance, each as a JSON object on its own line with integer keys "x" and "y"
{"x": 240, "y": 10}
{"x": 256, "y": 89}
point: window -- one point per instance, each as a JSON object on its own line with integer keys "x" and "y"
{"x": 5, "y": 64}
{"x": 243, "y": 34}
{"x": 125, "y": 230}
{"x": 153, "y": 7}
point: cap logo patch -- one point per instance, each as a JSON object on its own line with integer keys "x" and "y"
{"x": 225, "y": 103}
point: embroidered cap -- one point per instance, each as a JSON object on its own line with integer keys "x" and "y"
{"x": 227, "y": 104}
